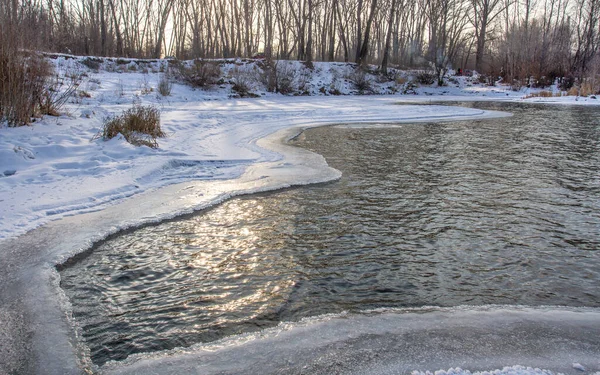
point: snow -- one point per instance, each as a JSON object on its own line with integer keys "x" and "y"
{"x": 509, "y": 370}
{"x": 466, "y": 340}
{"x": 62, "y": 188}
{"x": 578, "y": 366}
{"x": 56, "y": 168}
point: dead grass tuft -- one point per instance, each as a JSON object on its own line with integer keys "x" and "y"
{"x": 139, "y": 125}
{"x": 544, "y": 94}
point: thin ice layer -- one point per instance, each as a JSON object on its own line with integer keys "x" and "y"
{"x": 399, "y": 342}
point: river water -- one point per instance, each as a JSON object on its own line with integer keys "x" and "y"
{"x": 503, "y": 211}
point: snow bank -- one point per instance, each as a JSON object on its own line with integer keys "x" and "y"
{"x": 55, "y": 168}
{"x": 466, "y": 340}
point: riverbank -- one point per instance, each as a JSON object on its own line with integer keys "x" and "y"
{"x": 58, "y": 167}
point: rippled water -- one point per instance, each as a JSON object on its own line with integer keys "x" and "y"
{"x": 503, "y": 211}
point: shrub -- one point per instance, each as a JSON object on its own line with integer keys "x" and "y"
{"x": 285, "y": 75}
{"x": 543, "y": 94}
{"x": 139, "y": 125}
{"x": 566, "y": 83}
{"x": 586, "y": 89}
{"x": 516, "y": 85}
{"x": 59, "y": 89}
{"x": 425, "y": 78}
{"x": 269, "y": 74}
{"x": 543, "y": 82}
{"x": 23, "y": 82}
{"x": 92, "y": 63}
{"x": 361, "y": 81}
{"x": 303, "y": 80}
{"x": 573, "y": 91}
{"x": 242, "y": 80}
{"x": 145, "y": 87}
{"x": 400, "y": 79}
{"x": 164, "y": 85}
{"x": 200, "y": 74}
{"x": 583, "y": 89}
{"x": 410, "y": 88}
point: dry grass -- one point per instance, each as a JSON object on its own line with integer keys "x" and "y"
{"x": 139, "y": 125}
{"x": 201, "y": 74}
{"x": 22, "y": 87}
{"x": 165, "y": 85}
{"x": 573, "y": 91}
{"x": 544, "y": 94}
{"x": 28, "y": 86}
{"x": 23, "y": 78}
{"x": 586, "y": 89}
{"x": 361, "y": 81}
{"x": 590, "y": 86}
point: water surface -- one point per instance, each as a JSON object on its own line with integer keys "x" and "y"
{"x": 502, "y": 211}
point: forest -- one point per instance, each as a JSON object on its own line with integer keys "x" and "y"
{"x": 508, "y": 38}
{"x": 518, "y": 40}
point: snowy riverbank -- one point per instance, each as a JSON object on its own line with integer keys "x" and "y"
{"x": 54, "y": 168}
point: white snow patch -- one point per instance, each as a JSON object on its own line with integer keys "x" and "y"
{"x": 509, "y": 370}
{"x": 56, "y": 168}
{"x": 578, "y": 366}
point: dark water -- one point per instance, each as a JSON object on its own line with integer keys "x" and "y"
{"x": 503, "y": 211}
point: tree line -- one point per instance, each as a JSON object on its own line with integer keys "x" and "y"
{"x": 515, "y": 39}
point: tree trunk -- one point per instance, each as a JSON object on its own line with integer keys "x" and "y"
{"x": 102, "y": 29}
{"x": 480, "y": 48}
{"x": 117, "y": 30}
{"x": 388, "y": 37}
{"x": 364, "y": 50}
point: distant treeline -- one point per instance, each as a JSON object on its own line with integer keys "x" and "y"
{"x": 518, "y": 40}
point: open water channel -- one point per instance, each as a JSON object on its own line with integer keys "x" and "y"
{"x": 503, "y": 211}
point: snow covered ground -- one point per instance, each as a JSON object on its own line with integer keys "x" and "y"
{"x": 55, "y": 168}
{"x": 54, "y": 176}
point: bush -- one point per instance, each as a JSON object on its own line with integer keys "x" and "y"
{"x": 573, "y": 91}
{"x": 92, "y": 63}
{"x": 543, "y": 82}
{"x": 23, "y": 87}
{"x": 425, "y": 78}
{"x": 400, "y": 79}
{"x": 269, "y": 74}
{"x": 303, "y": 81}
{"x": 165, "y": 85}
{"x": 61, "y": 87}
{"x": 566, "y": 83}
{"x": 28, "y": 86}
{"x": 285, "y": 76}
{"x": 361, "y": 81}
{"x": 410, "y": 88}
{"x": 139, "y": 125}
{"x": 242, "y": 80}
{"x": 516, "y": 85}
{"x": 200, "y": 74}
{"x": 335, "y": 87}
{"x": 543, "y": 94}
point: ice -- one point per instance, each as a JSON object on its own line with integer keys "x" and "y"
{"x": 578, "y": 366}
{"x": 509, "y": 370}
{"x": 490, "y": 340}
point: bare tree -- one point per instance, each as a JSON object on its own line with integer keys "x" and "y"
{"x": 484, "y": 12}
